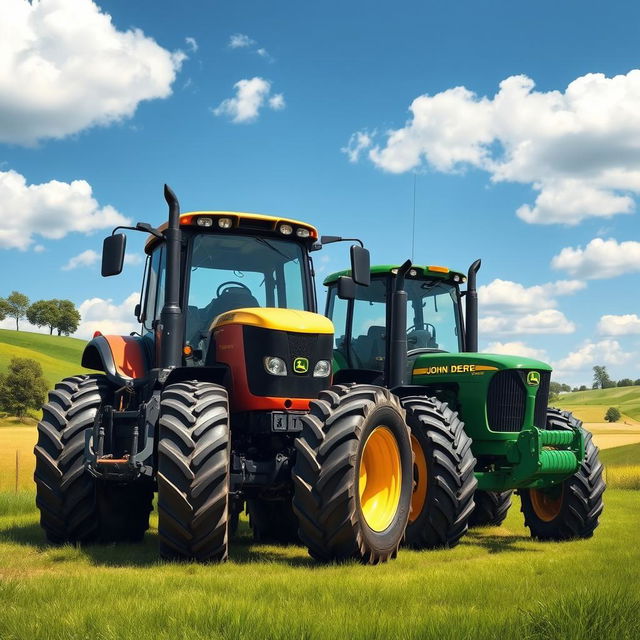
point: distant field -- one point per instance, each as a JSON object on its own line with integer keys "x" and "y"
{"x": 591, "y": 405}
{"x": 59, "y": 356}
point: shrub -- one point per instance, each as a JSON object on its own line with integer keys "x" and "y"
{"x": 612, "y": 415}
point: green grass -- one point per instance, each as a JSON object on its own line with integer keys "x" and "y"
{"x": 59, "y": 356}
{"x": 498, "y": 583}
{"x": 621, "y": 456}
{"x": 626, "y": 399}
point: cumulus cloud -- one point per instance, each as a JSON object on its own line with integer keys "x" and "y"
{"x": 546, "y": 321}
{"x": 516, "y": 349}
{"x": 359, "y": 142}
{"x": 85, "y": 259}
{"x": 51, "y": 210}
{"x": 505, "y": 295}
{"x": 608, "y": 352}
{"x": 64, "y": 67}
{"x": 599, "y": 259}
{"x": 240, "y": 41}
{"x": 108, "y": 317}
{"x": 251, "y": 96}
{"x": 612, "y": 325}
{"x": 578, "y": 148}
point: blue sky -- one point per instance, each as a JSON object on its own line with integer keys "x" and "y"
{"x": 522, "y": 154}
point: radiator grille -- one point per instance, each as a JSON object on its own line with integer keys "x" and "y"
{"x": 506, "y": 401}
{"x": 542, "y": 400}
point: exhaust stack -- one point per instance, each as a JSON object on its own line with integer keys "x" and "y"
{"x": 471, "y": 337}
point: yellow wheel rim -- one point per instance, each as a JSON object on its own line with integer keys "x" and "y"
{"x": 546, "y": 507}
{"x": 419, "y": 495}
{"x": 380, "y": 479}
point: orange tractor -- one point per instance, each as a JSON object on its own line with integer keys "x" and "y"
{"x": 207, "y": 405}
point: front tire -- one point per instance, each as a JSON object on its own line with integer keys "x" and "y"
{"x": 572, "y": 509}
{"x": 352, "y": 475}
{"x": 193, "y": 472}
{"x": 444, "y": 482}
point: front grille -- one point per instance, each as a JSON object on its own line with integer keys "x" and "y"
{"x": 542, "y": 400}
{"x": 506, "y": 401}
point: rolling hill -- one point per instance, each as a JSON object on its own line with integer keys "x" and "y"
{"x": 591, "y": 405}
{"x": 58, "y": 355}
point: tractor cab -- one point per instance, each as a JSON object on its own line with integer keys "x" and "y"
{"x": 433, "y": 324}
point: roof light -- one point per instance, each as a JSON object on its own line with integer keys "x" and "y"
{"x": 456, "y": 278}
{"x": 439, "y": 269}
{"x": 204, "y": 222}
{"x": 225, "y": 223}
{"x": 286, "y": 229}
{"x": 301, "y": 232}
{"x": 413, "y": 272}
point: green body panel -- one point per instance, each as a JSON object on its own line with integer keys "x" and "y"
{"x": 531, "y": 457}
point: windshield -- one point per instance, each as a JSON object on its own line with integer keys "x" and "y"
{"x": 433, "y": 321}
{"x": 231, "y": 272}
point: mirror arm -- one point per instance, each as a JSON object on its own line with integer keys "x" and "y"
{"x": 332, "y": 239}
{"x": 141, "y": 226}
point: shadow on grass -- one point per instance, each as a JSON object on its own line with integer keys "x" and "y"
{"x": 242, "y": 550}
{"x": 496, "y": 543}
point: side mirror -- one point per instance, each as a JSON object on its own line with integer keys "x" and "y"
{"x": 360, "y": 265}
{"x": 346, "y": 288}
{"x": 113, "y": 254}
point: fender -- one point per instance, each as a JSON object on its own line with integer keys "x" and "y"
{"x": 122, "y": 358}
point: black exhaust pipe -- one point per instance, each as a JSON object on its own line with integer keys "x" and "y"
{"x": 397, "y": 356}
{"x": 171, "y": 316}
{"x": 471, "y": 338}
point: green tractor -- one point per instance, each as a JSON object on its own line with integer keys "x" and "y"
{"x": 480, "y": 423}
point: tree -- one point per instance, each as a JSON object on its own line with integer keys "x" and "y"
{"x": 583, "y": 387}
{"x": 17, "y": 304}
{"x": 68, "y": 317}
{"x": 44, "y": 313}
{"x": 601, "y": 379}
{"x": 22, "y": 387}
{"x": 625, "y": 382}
{"x": 4, "y": 309}
{"x": 637, "y": 382}
{"x": 612, "y": 415}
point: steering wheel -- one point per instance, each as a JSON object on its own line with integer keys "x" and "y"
{"x": 225, "y": 285}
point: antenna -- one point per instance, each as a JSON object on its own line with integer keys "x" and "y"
{"x": 413, "y": 231}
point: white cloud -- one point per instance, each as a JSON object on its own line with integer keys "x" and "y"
{"x": 240, "y": 41}
{"x": 358, "y": 143}
{"x": 599, "y": 259}
{"x": 64, "y": 67}
{"x": 132, "y": 259}
{"x": 578, "y": 148}
{"x": 263, "y": 53}
{"x": 39, "y": 248}
{"x": 85, "y": 259}
{"x": 506, "y": 295}
{"x": 608, "y": 352}
{"x": 192, "y": 43}
{"x": 103, "y": 315}
{"x": 251, "y": 96}
{"x": 516, "y": 349}
{"x": 546, "y": 321}
{"x": 611, "y": 325}
{"x": 51, "y": 210}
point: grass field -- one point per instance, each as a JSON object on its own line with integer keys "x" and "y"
{"x": 591, "y": 405}
{"x": 59, "y": 356}
{"x": 497, "y": 584}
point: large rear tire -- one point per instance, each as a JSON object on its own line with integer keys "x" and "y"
{"x": 74, "y": 506}
{"x": 193, "y": 472}
{"x": 572, "y": 509}
{"x": 491, "y": 508}
{"x": 273, "y": 521}
{"x": 444, "y": 482}
{"x": 352, "y": 475}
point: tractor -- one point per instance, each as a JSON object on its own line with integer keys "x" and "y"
{"x": 480, "y": 423}
{"x": 224, "y": 401}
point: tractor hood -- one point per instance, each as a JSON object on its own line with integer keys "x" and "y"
{"x": 452, "y": 365}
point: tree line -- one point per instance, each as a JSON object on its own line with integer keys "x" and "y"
{"x": 59, "y": 315}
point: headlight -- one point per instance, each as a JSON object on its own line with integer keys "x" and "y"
{"x": 286, "y": 229}
{"x": 302, "y": 233}
{"x": 204, "y": 222}
{"x": 322, "y": 369}
{"x": 225, "y": 223}
{"x": 275, "y": 366}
